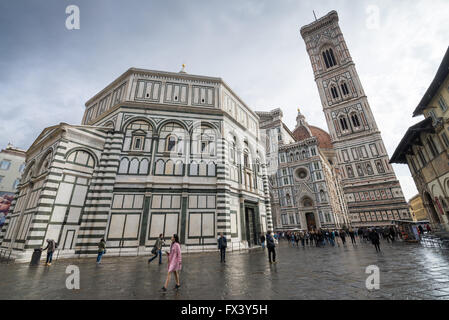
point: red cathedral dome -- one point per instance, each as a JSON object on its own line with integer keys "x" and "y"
{"x": 324, "y": 139}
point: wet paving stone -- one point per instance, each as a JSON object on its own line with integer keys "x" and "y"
{"x": 407, "y": 272}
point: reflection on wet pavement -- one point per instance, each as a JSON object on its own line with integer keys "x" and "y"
{"x": 407, "y": 271}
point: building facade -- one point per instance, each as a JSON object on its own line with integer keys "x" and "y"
{"x": 157, "y": 152}
{"x": 373, "y": 194}
{"x": 425, "y": 148}
{"x": 12, "y": 164}
{"x": 417, "y": 209}
{"x": 304, "y": 185}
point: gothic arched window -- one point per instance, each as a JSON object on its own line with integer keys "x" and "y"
{"x": 334, "y": 92}
{"x": 344, "y": 123}
{"x": 329, "y": 58}
{"x": 344, "y": 88}
{"x": 355, "y": 120}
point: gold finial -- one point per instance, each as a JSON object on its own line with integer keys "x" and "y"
{"x": 299, "y": 111}
{"x": 183, "y": 69}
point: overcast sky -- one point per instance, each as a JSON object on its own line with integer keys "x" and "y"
{"x": 48, "y": 72}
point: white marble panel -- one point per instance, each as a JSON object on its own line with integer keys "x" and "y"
{"x": 58, "y": 214}
{"x": 116, "y": 226}
{"x": 194, "y": 225}
{"x": 208, "y": 225}
{"x": 157, "y": 225}
{"x": 132, "y": 226}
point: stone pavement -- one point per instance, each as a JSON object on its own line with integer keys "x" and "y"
{"x": 407, "y": 271}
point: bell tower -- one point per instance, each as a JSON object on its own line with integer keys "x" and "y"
{"x": 372, "y": 191}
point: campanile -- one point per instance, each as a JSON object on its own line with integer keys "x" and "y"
{"x": 372, "y": 191}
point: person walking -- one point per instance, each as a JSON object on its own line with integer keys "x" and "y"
{"x": 428, "y": 228}
{"x": 366, "y": 235}
{"x": 51, "y": 247}
{"x": 386, "y": 234}
{"x": 222, "y": 244}
{"x": 306, "y": 237}
{"x": 157, "y": 249}
{"x": 262, "y": 241}
{"x": 302, "y": 238}
{"x": 392, "y": 234}
{"x": 352, "y": 235}
{"x": 101, "y": 250}
{"x": 374, "y": 237}
{"x": 271, "y": 247}
{"x": 174, "y": 262}
{"x": 343, "y": 236}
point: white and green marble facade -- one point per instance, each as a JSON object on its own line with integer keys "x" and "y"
{"x": 114, "y": 176}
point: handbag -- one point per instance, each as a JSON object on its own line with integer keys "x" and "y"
{"x": 154, "y": 250}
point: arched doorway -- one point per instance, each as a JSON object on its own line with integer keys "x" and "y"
{"x": 431, "y": 208}
{"x": 310, "y": 219}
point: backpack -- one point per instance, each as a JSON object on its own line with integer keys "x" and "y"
{"x": 224, "y": 242}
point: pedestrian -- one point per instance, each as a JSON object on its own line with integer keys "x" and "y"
{"x": 157, "y": 249}
{"x": 306, "y": 237}
{"x": 343, "y": 237}
{"x": 374, "y": 237}
{"x": 271, "y": 248}
{"x": 222, "y": 244}
{"x": 51, "y": 247}
{"x": 386, "y": 234}
{"x": 262, "y": 240}
{"x": 392, "y": 234}
{"x": 101, "y": 250}
{"x": 174, "y": 262}
{"x": 352, "y": 235}
{"x": 366, "y": 235}
{"x": 332, "y": 238}
{"x": 428, "y": 228}
{"x": 421, "y": 230}
{"x": 297, "y": 237}
{"x": 302, "y": 238}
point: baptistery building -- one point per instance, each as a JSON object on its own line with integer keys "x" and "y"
{"x": 157, "y": 152}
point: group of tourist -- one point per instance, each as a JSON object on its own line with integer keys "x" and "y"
{"x": 318, "y": 238}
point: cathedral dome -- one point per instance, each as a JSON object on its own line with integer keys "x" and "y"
{"x": 324, "y": 139}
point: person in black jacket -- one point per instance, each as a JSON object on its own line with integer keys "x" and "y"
{"x": 271, "y": 247}
{"x": 222, "y": 244}
{"x": 343, "y": 236}
{"x": 374, "y": 237}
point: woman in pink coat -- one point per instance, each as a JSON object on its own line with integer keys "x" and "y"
{"x": 174, "y": 262}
